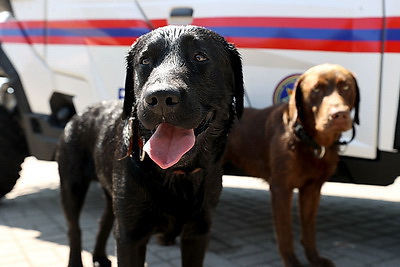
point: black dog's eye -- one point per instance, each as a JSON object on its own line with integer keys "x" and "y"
{"x": 145, "y": 61}
{"x": 200, "y": 57}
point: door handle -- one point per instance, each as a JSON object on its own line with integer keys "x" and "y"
{"x": 181, "y": 16}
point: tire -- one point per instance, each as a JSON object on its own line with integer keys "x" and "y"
{"x": 13, "y": 150}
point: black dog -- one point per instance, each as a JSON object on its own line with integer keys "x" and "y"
{"x": 184, "y": 87}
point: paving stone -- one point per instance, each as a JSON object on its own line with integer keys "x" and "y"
{"x": 387, "y": 263}
{"x": 352, "y": 231}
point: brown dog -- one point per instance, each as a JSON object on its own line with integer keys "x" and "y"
{"x": 295, "y": 145}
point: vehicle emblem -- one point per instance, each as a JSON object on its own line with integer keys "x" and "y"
{"x": 284, "y": 89}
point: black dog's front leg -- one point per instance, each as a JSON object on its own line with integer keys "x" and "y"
{"x": 194, "y": 241}
{"x": 131, "y": 240}
{"x": 131, "y": 253}
{"x": 134, "y": 223}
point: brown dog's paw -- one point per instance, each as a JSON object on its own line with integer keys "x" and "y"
{"x": 322, "y": 262}
{"x": 292, "y": 262}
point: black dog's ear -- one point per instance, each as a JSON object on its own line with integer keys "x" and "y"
{"x": 236, "y": 62}
{"x": 356, "y": 103}
{"x": 129, "y": 99}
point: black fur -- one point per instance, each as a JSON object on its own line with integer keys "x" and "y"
{"x": 199, "y": 75}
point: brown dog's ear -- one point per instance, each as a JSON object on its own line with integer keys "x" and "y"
{"x": 356, "y": 103}
{"x": 236, "y": 63}
{"x": 296, "y": 101}
{"x": 129, "y": 99}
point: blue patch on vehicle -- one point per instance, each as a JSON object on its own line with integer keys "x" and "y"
{"x": 121, "y": 93}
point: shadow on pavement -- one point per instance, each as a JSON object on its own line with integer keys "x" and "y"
{"x": 351, "y": 231}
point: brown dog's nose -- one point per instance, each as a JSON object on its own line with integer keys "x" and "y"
{"x": 340, "y": 115}
{"x": 161, "y": 101}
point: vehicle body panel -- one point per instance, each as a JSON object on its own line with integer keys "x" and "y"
{"x": 275, "y": 43}
{"x": 77, "y": 48}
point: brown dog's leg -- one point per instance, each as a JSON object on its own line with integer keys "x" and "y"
{"x": 281, "y": 199}
{"x": 309, "y": 196}
{"x": 194, "y": 241}
{"x": 106, "y": 224}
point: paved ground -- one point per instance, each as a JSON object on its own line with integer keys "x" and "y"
{"x": 357, "y": 225}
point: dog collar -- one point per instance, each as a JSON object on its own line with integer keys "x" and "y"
{"x": 133, "y": 129}
{"x": 319, "y": 151}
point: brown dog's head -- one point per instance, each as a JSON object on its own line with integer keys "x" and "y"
{"x": 324, "y": 96}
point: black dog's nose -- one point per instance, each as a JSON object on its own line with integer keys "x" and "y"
{"x": 163, "y": 100}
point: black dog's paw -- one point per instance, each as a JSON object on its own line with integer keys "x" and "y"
{"x": 165, "y": 240}
{"x": 101, "y": 262}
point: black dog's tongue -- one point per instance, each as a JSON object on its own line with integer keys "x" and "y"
{"x": 168, "y": 144}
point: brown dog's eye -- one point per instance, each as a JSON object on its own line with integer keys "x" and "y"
{"x": 316, "y": 90}
{"x": 346, "y": 87}
{"x": 145, "y": 61}
{"x": 200, "y": 57}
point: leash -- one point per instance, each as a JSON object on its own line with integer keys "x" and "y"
{"x": 319, "y": 151}
{"x": 345, "y": 143}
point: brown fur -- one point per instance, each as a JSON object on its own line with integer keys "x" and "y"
{"x": 264, "y": 144}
